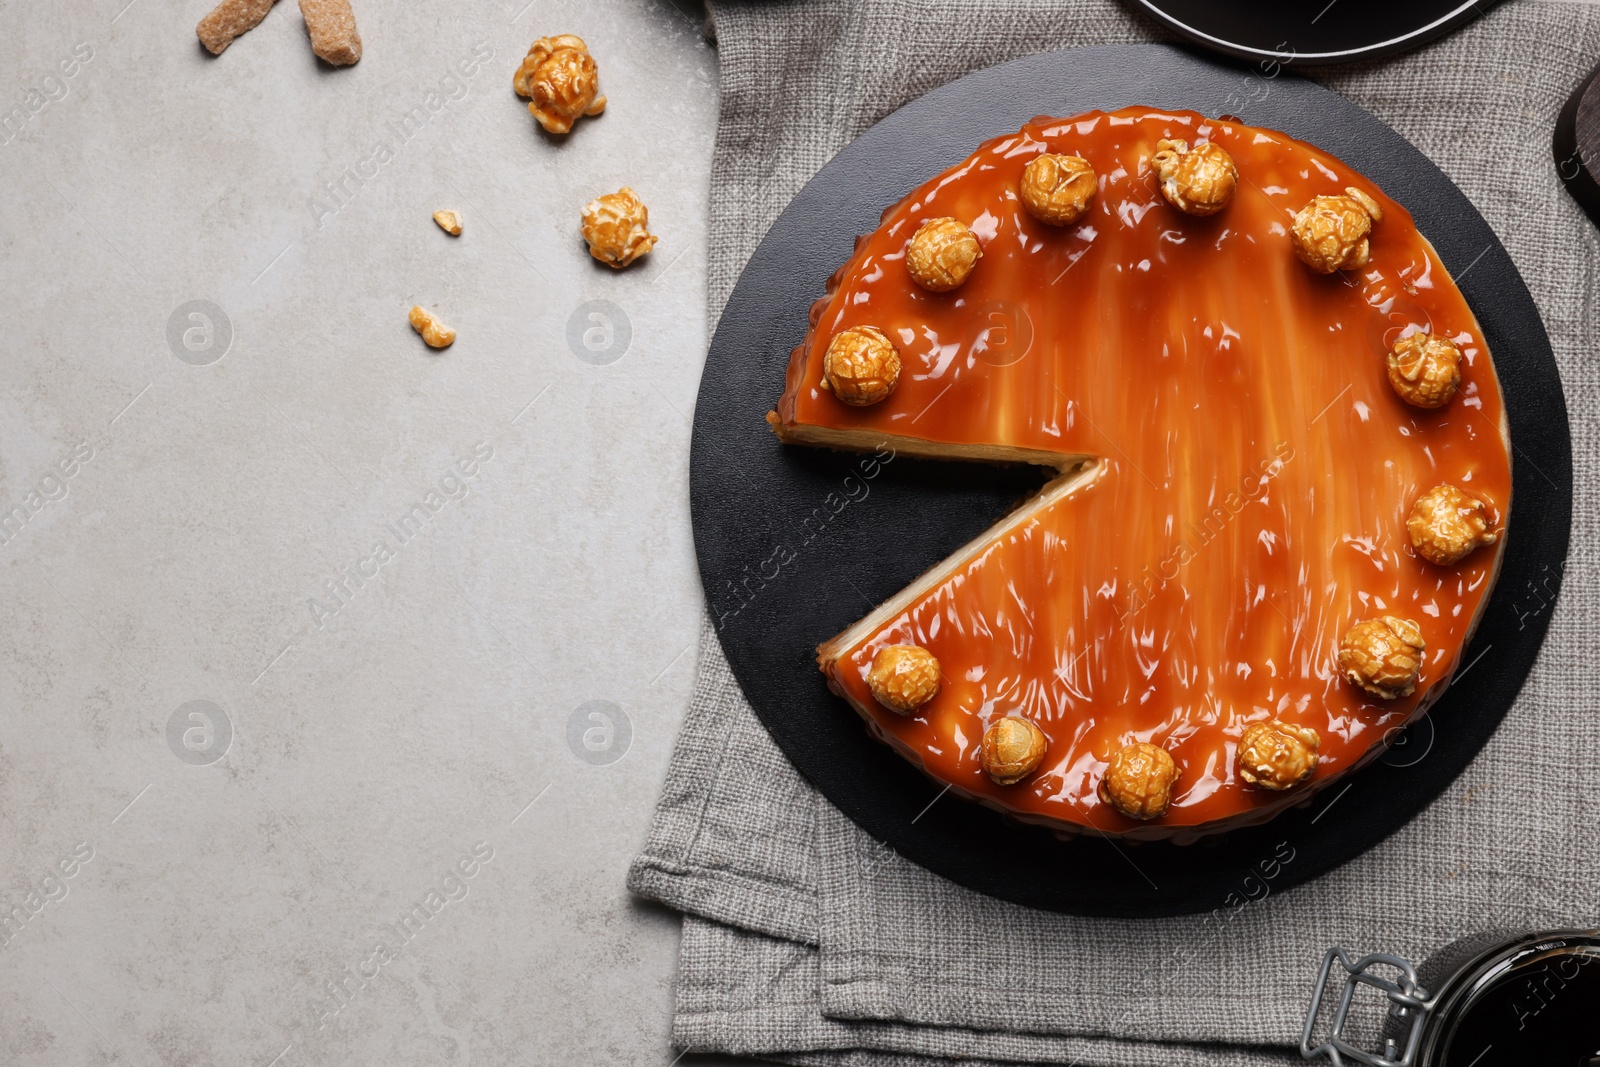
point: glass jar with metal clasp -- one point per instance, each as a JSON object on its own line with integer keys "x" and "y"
{"x": 1491, "y": 1000}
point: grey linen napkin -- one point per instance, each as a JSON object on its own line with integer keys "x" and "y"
{"x": 807, "y": 941}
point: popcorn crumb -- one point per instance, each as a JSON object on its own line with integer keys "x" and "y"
{"x": 904, "y": 677}
{"x": 433, "y": 331}
{"x": 861, "y": 366}
{"x": 1138, "y": 781}
{"x": 1012, "y": 749}
{"x": 616, "y": 227}
{"x": 1383, "y": 656}
{"x": 561, "y": 82}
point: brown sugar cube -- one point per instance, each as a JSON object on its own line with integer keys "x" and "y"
{"x": 228, "y": 20}
{"x": 332, "y": 26}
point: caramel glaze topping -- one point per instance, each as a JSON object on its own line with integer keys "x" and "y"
{"x": 1255, "y": 468}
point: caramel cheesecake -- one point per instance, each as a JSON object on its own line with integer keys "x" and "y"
{"x": 1280, "y": 464}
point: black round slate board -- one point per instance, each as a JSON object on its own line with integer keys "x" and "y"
{"x": 1316, "y": 33}
{"x": 784, "y": 570}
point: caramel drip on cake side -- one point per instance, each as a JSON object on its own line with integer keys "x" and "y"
{"x": 1258, "y": 467}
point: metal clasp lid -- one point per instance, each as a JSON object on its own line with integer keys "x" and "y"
{"x": 1409, "y": 1005}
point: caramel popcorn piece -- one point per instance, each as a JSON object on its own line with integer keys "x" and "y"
{"x": 1057, "y": 189}
{"x": 1012, "y": 749}
{"x": 1276, "y": 755}
{"x": 1383, "y": 656}
{"x": 942, "y": 255}
{"x": 616, "y": 227}
{"x": 332, "y": 26}
{"x": 228, "y": 20}
{"x": 1446, "y": 525}
{"x": 449, "y": 222}
{"x": 561, "y": 81}
{"x": 1138, "y": 782}
{"x": 1330, "y": 233}
{"x": 861, "y": 366}
{"x": 904, "y": 677}
{"x": 1425, "y": 369}
{"x": 434, "y": 332}
{"x": 1197, "y": 181}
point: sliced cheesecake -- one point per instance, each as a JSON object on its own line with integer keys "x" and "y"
{"x": 1230, "y": 397}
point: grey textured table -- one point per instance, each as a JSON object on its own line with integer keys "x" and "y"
{"x": 352, "y": 747}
